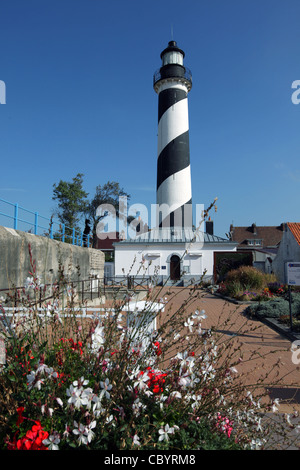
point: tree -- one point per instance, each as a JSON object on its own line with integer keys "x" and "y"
{"x": 108, "y": 194}
{"x": 72, "y": 202}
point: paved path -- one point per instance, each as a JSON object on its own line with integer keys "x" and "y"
{"x": 266, "y": 354}
{"x": 257, "y": 341}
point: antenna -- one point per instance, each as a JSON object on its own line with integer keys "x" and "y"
{"x": 172, "y": 32}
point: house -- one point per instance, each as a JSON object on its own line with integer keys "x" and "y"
{"x": 289, "y": 250}
{"x": 261, "y": 242}
{"x": 174, "y": 255}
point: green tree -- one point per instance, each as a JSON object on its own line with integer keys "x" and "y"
{"x": 108, "y": 194}
{"x": 71, "y": 200}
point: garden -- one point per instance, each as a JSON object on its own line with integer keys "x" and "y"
{"x": 109, "y": 382}
{"x": 267, "y": 297}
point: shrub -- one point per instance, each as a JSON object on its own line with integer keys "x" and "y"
{"x": 276, "y": 308}
{"x": 248, "y": 276}
{"x": 248, "y": 283}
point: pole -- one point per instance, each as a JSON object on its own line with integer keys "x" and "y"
{"x": 290, "y": 305}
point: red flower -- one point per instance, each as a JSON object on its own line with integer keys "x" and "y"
{"x": 33, "y": 440}
{"x": 20, "y": 411}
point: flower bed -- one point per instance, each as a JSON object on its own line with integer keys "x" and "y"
{"x": 279, "y": 309}
{"x": 107, "y": 383}
{"x": 249, "y": 284}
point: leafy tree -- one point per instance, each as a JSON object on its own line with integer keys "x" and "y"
{"x": 72, "y": 201}
{"x": 108, "y": 194}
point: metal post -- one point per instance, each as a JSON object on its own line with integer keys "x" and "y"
{"x": 36, "y": 215}
{"x": 73, "y": 236}
{"x": 63, "y": 232}
{"x": 290, "y": 305}
{"x": 16, "y": 217}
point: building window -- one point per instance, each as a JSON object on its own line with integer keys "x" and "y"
{"x": 254, "y": 242}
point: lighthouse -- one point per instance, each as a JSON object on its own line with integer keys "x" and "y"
{"x": 172, "y": 251}
{"x": 172, "y": 82}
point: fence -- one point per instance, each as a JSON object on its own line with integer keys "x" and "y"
{"x": 25, "y": 220}
{"x": 14, "y": 298}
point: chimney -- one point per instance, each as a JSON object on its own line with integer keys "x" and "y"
{"x": 209, "y": 227}
{"x": 254, "y": 228}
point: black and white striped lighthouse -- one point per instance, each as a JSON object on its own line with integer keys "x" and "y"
{"x": 172, "y": 82}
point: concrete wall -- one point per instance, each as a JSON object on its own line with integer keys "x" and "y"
{"x": 48, "y": 254}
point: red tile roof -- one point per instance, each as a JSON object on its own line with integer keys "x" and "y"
{"x": 295, "y": 229}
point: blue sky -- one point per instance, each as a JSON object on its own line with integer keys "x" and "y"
{"x": 79, "y": 99}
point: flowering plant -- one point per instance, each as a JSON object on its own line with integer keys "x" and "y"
{"x": 109, "y": 381}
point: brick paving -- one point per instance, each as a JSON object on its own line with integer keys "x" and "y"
{"x": 266, "y": 354}
{"x": 261, "y": 346}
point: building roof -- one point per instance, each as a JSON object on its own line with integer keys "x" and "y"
{"x": 107, "y": 242}
{"x": 176, "y": 235}
{"x": 270, "y": 236}
{"x": 295, "y": 229}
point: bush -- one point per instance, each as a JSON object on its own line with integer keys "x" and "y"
{"x": 247, "y": 276}
{"x": 247, "y": 283}
{"x": 276, "y": 308}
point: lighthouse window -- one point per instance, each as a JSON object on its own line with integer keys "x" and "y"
{"x": 173, "y": 58}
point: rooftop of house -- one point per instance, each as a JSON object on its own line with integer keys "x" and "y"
{"x": 106, "y": 242}
{"x": 257, "y": 236}
{"x": 295, "y": 229}
{"x": 175, "y": 235}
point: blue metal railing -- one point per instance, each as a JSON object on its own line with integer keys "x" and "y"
{"x": 32, "y": 223}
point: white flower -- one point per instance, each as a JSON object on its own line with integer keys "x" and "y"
{"x": 199, "y": 315}
{"x": 30, "y": 379}
{"x": 259, "y": 426}
{"x": 59, "y": 401}
{"x": 136, "y": 440}
{"x": 184, "y": 381}
{"x": 109, "y": 419}
{"x": 75, "y": 396}
{"x": 97, "y": 407}
{"x": 141, "y": 381}
{"x": 275, "y": 405}
{"x": 256, "y": 444}
{"x": 175, "y": 394}
{"x": 88, "y": 431}
{"x": 52, "y": 441}
{"x": 164, "y": 433}
{"x": 79, "y": 430}
{"x": 106, "y": 387}
{"x": 86, "y": 397}
{"x": 81, "y": 381}
{"x": 189, "y": 323}
{"x": 42, "y": 368}
{"x": 98, "y": 338}
{"x": 176, "y": 336}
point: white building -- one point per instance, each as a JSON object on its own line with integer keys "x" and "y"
{"x": 170, "y": 256}
{"x": 171, "y": 250}
{"x": 289, "y": 250}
